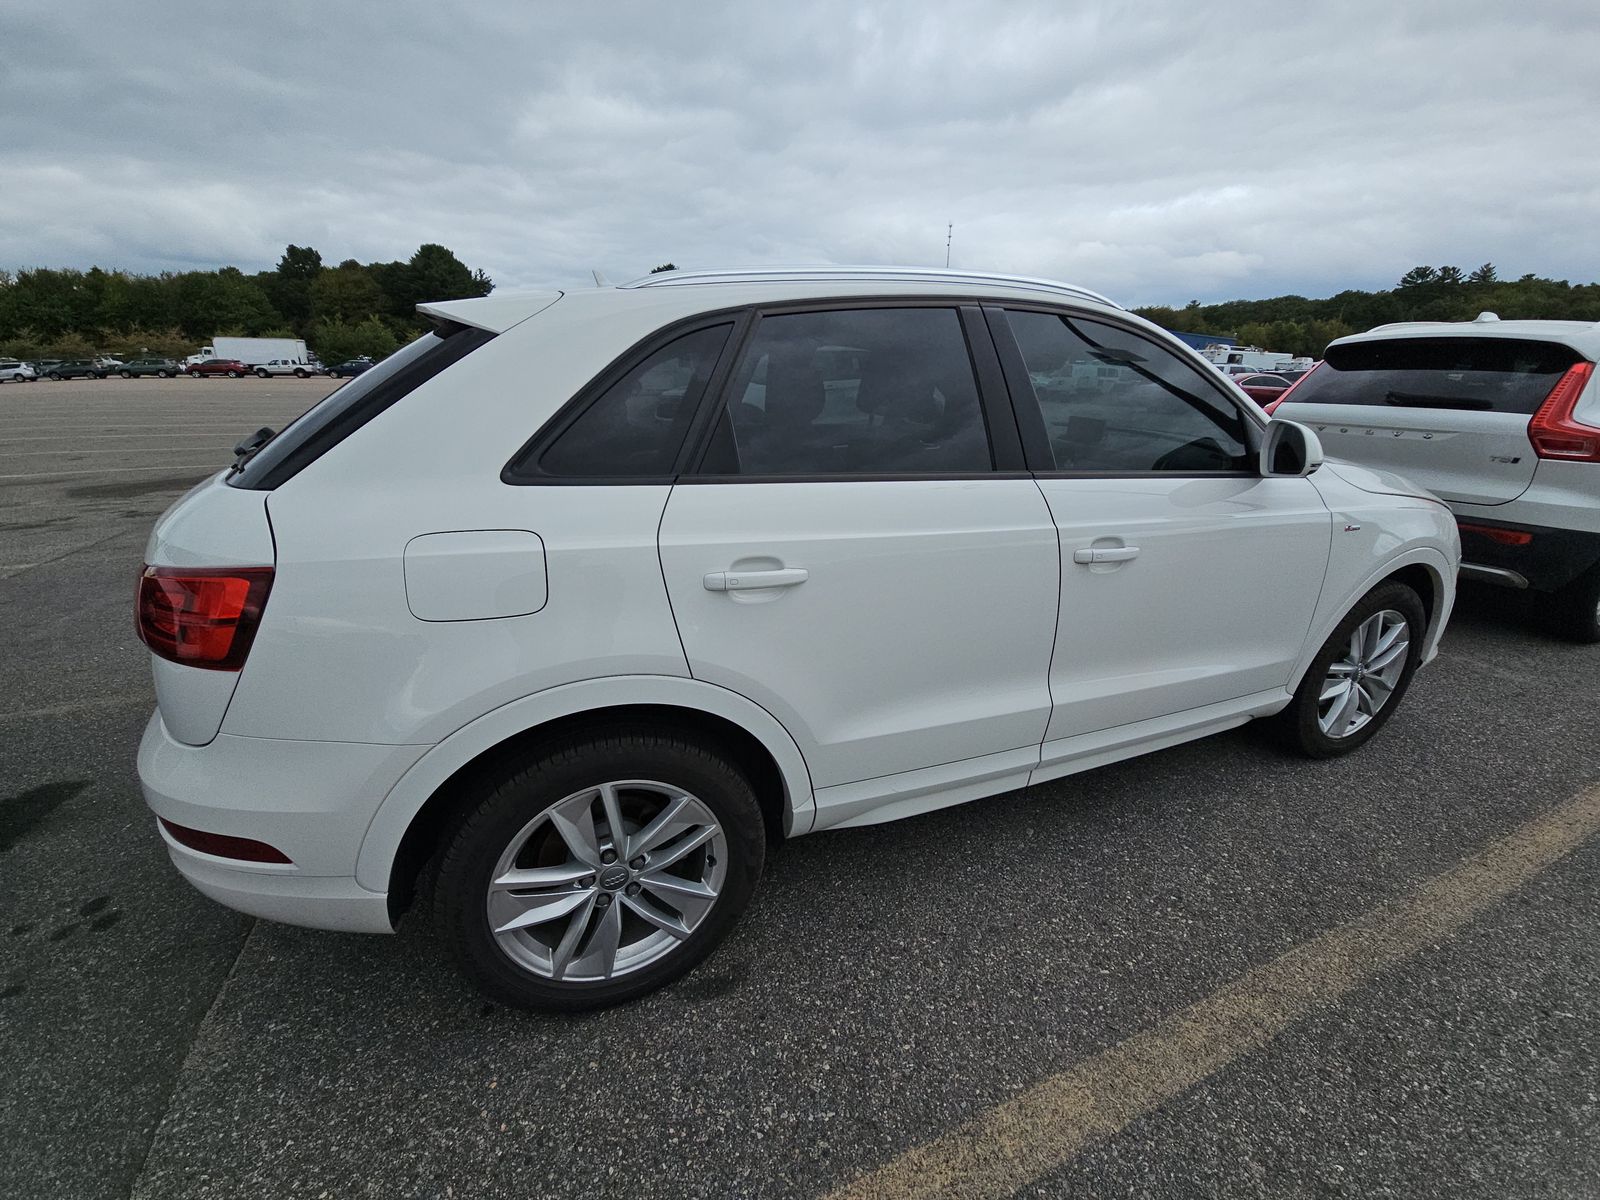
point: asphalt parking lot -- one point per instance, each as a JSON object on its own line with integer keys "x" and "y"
{"x": 1213, "y": 971}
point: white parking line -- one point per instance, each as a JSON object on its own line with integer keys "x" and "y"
{"x": 204, "y": 469}
{"x": 104, "y": 437}
{"x": 116, "y": 450}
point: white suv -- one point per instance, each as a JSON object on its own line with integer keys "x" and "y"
{"x": 1501, "y": 419}
{"x": 748, "y": 556}
{"x": 12, "y": 371}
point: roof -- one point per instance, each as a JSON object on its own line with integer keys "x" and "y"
{"x": 1583, "y": 336}
{"x": 672, "y": 294}
{"x": 868, "y": 275}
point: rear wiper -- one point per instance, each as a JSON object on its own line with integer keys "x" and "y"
{"x": 1416, "y": 400}
{"x": 244, "y": 451}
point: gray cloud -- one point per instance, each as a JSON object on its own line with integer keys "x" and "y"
{"x": 1158, "y": 152}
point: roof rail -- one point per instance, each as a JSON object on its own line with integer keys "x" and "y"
{"x": 865, "y": 274}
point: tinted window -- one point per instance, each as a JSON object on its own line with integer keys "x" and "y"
{"x": 636, "y": 426}
{"x": 881, "y": 391}
{"x": 1113, "y": 401}
{"x": 346, "y": 409}
{"x": 1479, "y": 374}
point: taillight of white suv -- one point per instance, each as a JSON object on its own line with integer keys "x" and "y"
{"x": 1554, "y": 432}
{"x": 202, "y": 617}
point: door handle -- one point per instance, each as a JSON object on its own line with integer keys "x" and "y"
{"x": 749, "y": 581}
{"x": 1104, "y": 554}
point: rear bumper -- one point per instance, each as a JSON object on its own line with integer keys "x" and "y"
{"x": 314, "y": 901}
{"x": 1547, "y": 560}
{"x": 311, "y": 800}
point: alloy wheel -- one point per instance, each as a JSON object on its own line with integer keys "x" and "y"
{"x": 1359, "y": 683}
{"x": 606, "y": 881}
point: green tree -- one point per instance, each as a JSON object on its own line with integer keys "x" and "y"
{"x": 346, "y": 294}
{"x": 1451, "y": 275}
{"x": 1484, "y": 274}
{"x": 335, "y": 341}
{"x": 1417, "y": 276}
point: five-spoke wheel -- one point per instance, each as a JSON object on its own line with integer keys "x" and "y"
{"x": 1356, "y": 680}
{"x": 599, "y": 869}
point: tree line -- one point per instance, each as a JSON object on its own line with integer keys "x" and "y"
{"x": 1296, "y": 325}
{"x": 341, "y": 312}
{"x": 370, "y": 308}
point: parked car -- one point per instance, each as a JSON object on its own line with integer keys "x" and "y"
{"x": 75, "y": 368}
{"x": 162, "y": 368}
{"x": 13, "y": 371}
{"x": 231, "y": 367}
{"x": 107, "y": 363}
{"x": 351, "y": 367}
{"x": 1263, "y": 389}
{"x": 287, "y": 366}
{"x": 486, "y": 648}
{"x": 1501, "y": 419}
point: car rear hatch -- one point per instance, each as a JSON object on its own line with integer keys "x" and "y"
{"x": 1450, "y": 413}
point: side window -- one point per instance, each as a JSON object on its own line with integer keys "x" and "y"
{"x": 882, "y": 391}
{"x": 637, "y": 426}
{"x": 1113, "y": 401}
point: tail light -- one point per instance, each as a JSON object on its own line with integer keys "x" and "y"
{"x": 1553, "y": 431}
{"x": 202, "y": 617}
{"x": 1503, "y": 537}
{"x": 1272, "y": 407}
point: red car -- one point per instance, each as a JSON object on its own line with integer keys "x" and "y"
{"x": 231, "y": 367}
{"x": 1263, "y": 389}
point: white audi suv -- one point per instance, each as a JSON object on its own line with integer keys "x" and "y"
{"x": 568, "y": 611}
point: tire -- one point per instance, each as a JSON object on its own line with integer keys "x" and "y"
{"x": 1305, "y": 726}
{"x": 299, "y": 374}
{"x": 126, "y": 374}
{"x": 163, "y": 374}
{"x": 1575, "y": 615}
{"x": 233, "y": 374}
{"x": 56, "y": 375}
{"x": 507, "y": 825}
{"x": 335, "y": 375}
{"x": 263, "y": 375}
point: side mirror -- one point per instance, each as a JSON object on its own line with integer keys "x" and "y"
{"x": 1290, "y": 449}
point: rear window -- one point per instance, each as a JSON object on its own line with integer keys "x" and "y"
{"x": 317, "y": 430}
{"x": 1506, "y": 375}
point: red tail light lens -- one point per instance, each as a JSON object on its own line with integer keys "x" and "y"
{"x": 1505, "y": 537}
{"x": 224, "y": 845}
{"x": 1553, "y": 431}
{"x": 202, "y": 618}
{"x": 1284, "y": 399}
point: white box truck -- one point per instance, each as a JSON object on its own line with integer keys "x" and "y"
{"x": 251, "y": 351}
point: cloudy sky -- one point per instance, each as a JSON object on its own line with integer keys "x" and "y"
{"x": 1158, "y": 152}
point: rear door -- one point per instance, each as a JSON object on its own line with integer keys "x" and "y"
{"x": 1449, "y": 413}
{"x": 851, "y": 555}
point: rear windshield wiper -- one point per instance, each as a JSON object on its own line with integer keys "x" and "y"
{"x": 244, "y": 451}
{"x": 1417, "y": 400}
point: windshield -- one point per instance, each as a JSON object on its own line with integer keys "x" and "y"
{"x": 1507, "y": 375}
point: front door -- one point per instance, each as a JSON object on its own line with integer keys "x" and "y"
{"x": 1187, "y": 579}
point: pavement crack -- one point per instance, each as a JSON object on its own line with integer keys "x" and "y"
{"x": 182, "y": 1072}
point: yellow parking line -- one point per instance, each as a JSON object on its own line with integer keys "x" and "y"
{"x": 1025, "y": 1138}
